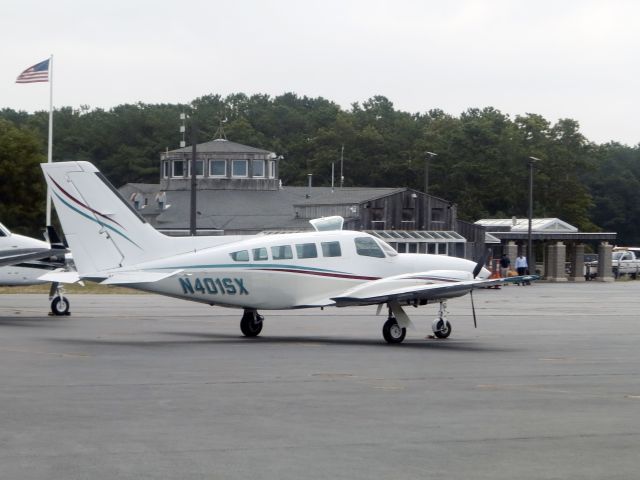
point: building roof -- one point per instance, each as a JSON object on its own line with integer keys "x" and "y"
{"x": 255, "y": 210}
{"x": 541, "y": 229}
{"x": 220, "y": 145}
{"x": 522, "y": 224}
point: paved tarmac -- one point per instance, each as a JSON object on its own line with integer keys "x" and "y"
{"x": 147, "y": 387}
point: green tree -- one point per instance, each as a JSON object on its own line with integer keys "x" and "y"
{"x": 22, "y": 189}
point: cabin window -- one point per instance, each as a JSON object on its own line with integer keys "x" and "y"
{"x": 306, "y": 250}
{"x": 368, "y": 247}
{"x": 260, "y": 254}
{"x": 331, "y": 249}
{"x": 281, "y": 252}
{"x": 388, "y": 249}
{"x": 241, "y": 256}
{"x": 239, "y": 168}
{"x": 257, "y": 168}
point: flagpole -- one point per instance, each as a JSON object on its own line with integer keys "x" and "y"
{"x": 50, "y": 146}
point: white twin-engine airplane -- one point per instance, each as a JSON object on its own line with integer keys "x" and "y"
{"x": 113, "y": 245}
{"x": 24, "y": 259}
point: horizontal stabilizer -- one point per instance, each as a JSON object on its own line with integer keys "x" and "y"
{"x": 136, "y": 276}
{"x": 60, "y": 276}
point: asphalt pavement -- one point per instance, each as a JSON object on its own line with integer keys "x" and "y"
{"x": 148, "y": 387}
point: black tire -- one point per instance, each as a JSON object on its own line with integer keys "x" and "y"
{"x": 60, "y": 306}
{"x": 442, "y": 331}
{"x": 251, "y": 324}
{"x": 392, "y": 332}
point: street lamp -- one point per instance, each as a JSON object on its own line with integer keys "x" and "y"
{"x": 530, "y": 256}
{"x": 430, "y": 155}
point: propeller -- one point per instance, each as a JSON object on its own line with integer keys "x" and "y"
{"x": 473, "y": 310}
{"x": 476, "y": 272}
{"x": 479, "y": 266}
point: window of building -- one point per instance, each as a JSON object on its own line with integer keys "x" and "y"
{"x": 199, "y": 168}
{"x": 260, "y": 254}
{"x": 272, "y": 169}
{"x": 178, "y": 168}
{"x": 331, "y": 249}
{"x": 241, "y": 256}
{"x": 217, "y": 168}
{"x": 368, "y": 247}
{"x": 258, "y": 168}
{"x": 281, "y": 252}
{"x": 239, "y": 168}
{"x": 306, "y": 250}
{"x": 437, "y": 215}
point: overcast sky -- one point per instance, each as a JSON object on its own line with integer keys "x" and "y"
{"x": 576, "y": 59}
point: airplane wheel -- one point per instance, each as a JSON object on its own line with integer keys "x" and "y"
{"x": 251, "y": 324}
{"x": 439, "y": 328}
{"x": 392, "y": 332}
{"x": 60, "y": 306}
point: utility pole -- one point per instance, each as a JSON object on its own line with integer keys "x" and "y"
{"x": 342, "y": 166}
{"x": 194, "y": 184}
{"x": 531, "y": 258}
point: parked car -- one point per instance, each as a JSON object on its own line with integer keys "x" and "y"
{"x": 623, "y": 262}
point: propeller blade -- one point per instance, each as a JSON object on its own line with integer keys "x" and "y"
{"x": 473, "y": 310}
{"x": 479, "y": 266}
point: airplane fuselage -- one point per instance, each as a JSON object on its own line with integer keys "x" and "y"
{"x": 287, "y": 271}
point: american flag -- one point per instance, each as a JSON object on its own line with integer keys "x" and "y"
{"x": 37, "y": 73}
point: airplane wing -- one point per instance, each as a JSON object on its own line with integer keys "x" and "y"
{"x": 19, "y": 255}
{"x": 417, "y": 287}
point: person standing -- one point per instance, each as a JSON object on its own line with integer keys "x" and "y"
{"x": 522, "y": 266}
{"x": 505, "y": 263}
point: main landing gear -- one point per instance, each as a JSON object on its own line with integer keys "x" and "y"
{"x": 394, "y": 331}
{"x": 59, "y": 303}
{"x": 251, "y": 323}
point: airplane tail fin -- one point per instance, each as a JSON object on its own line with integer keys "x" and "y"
{"x": 103, "y": 230}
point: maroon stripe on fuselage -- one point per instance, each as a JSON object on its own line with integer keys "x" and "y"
{"x": 320, "y": 274}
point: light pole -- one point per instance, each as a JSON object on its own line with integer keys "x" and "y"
{"x": 530, "y": 256}
{"x": 430, "y": 155}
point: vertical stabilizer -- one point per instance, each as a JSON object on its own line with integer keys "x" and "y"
{"x": 102, "y": 229}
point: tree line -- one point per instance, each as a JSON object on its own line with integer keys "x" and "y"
{"x": 481, "y": 163}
